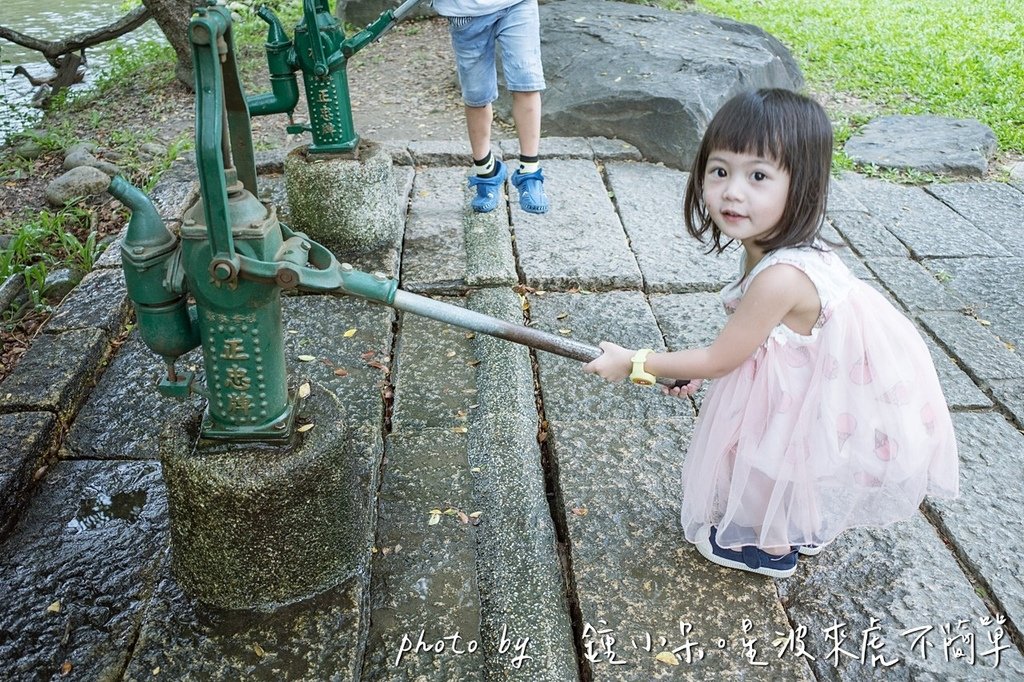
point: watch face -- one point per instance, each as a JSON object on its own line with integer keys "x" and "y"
{"x": 642, "y": 382}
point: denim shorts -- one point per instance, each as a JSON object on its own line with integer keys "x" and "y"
{"x": 516, "y": 30}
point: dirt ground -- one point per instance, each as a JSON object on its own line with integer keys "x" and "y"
{"x": 402, "y": 87}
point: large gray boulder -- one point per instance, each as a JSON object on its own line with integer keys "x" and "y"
{"x": 648, "y": 76}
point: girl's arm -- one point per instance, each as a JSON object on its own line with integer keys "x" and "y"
{"x": 779, "y": 293}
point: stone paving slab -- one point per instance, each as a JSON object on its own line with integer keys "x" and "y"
{"x": 447, "y": 245}
{"x": 913, "y": 285}
{"x": 882, "y": 596}
{"x": 99, "y": 302}
{"x": 57, "y": 374}
{"x": 26, "y": 441}
{"x": 435, "y": 383}
{"x": 580, "y": 242}
{"x": 76, "y": 567}
{"x": 623, "y": 317}
{"x": 649, "y": 200}
{"x": 988, "y": 518}
{"x": 424, "y": 586}
{"x": 179, "y": 638}
{"x": 867, "y": 235}
{"x": 1010, "y": 394}
{"x": 992, "y": 287}
{"x": 637, "y": 579}
{"x": 995, "y": 208}
{"x": 522, "y": 586}
{"x": 126, "y": 396}
{"x": 983, "y": 355}
{"x": 927, "y": 226}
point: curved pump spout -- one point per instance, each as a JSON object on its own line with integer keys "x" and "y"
{"x": 149, "y": 254}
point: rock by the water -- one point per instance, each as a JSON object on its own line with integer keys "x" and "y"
{"x": 77, "y": 182}
{"x": 932, "y": 144}
{"x": 650, "y": 77}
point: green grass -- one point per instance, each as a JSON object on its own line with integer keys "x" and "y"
{"x": 958, "y": 58}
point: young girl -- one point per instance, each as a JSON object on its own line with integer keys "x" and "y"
{"x": 827, "y": 413}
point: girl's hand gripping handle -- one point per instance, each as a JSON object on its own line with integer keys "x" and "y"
{"x": 615, "y": 364}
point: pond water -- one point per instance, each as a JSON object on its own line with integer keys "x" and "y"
{"x": 53, "y": 21}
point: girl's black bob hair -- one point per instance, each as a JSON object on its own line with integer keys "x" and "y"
{"x": 786, "y": 127}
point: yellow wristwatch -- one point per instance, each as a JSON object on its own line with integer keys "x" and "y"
{"x": 639, "y": 375}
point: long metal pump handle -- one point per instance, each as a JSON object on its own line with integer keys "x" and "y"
{"x": 492, "y": 326}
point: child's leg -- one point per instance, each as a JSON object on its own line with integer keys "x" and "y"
{"x": 478, "y": 125}
{"x": 526, "y": 114}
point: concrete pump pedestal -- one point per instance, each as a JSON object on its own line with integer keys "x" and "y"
{"x": 257, "y": 526}
{"x": 344, "y": 201}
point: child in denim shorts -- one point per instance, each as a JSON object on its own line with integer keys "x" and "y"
{"x": 475, "y": 27}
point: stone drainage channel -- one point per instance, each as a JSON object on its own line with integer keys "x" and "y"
{"x": 515, "y": 518}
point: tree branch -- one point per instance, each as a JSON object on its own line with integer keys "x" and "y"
{"x": 51, "y": 49}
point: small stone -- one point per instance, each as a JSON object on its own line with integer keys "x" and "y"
{"x": 77, "y": 182}
{"x": 59, "y": 284}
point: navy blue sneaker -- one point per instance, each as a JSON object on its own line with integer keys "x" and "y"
{"x": 748, "y": 558}
{"x": 531, "y": 191}
{"x": 488, "y": 189}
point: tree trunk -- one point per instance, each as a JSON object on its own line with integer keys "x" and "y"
{"x": 173, "y": 18}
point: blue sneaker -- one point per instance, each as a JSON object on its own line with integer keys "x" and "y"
{"x": 488, "y": 189}
{"x": 531, "y": 191}
{"x": 747, "y": 558}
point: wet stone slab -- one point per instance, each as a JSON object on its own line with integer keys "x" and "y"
{"x": 973, "y": 280}
{"x": 26, "y": 438}
{"x": 99, "y": 301}
{"x": 913, "y": 215}
{"x": 435, "y": 380}
{"x": 180, "y": 638}
{"x": 650, "y": 201}
{"x": 124, "y": 415}
{"x": 319, "y": 327}
{"x": 57, "y": 374}
{"x": 636, "y": 577}
{"x": 985, "y": 523}
{"x": 424, "y": 587}
{"x": 580, "y": 241}
{"x": 622, "y": 317}
{"x": 983, "y": 355}
{"x": 882, "y": 597}
{"x": 78, "y": 567}
{"x": 995, "y": 208}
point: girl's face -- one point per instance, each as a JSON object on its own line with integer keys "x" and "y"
{"x": 745, "y": 195}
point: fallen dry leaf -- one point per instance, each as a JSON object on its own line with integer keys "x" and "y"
{"x": 349, "y": 333}
{"x": 304, "y": 390}
{"x": 54, "y": 607}
{"x": 460, "y": 429}
{"x": 580, "y": 511}
{"x": 306, "y": 358}
{"x": 65, "y": 668}
{"x": 667, "y": 657}
{"x": 340, "y": 372}
{"x": 304, "y": 428}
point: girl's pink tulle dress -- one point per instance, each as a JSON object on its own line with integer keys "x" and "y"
{"x": 816, "y": 434}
